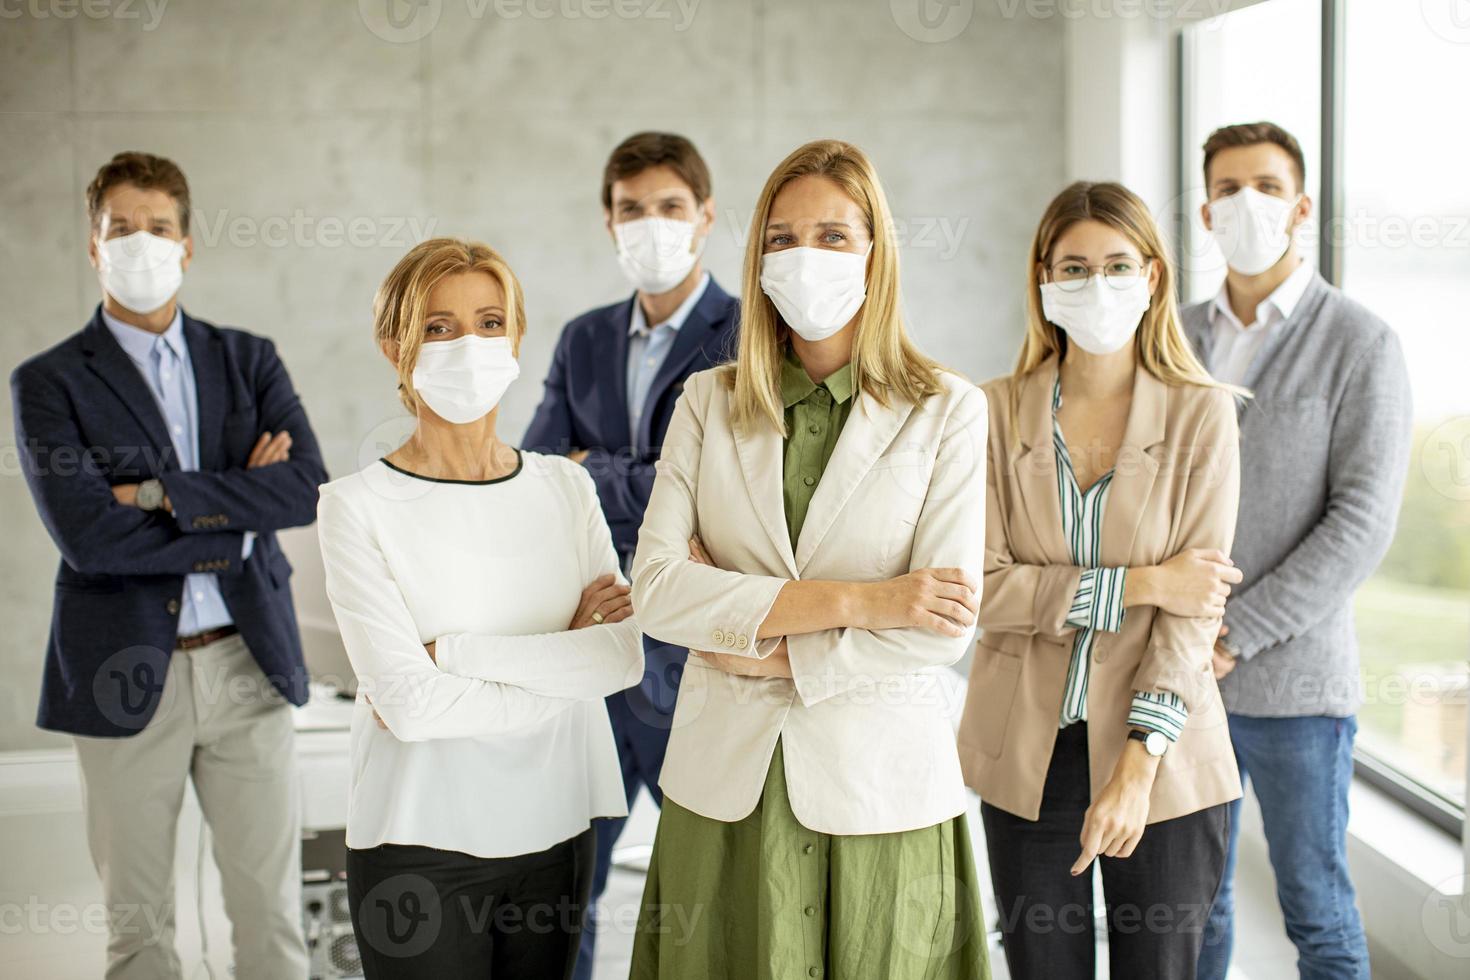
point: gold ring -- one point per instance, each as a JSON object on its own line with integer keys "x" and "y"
{"x": 597, "y": 617}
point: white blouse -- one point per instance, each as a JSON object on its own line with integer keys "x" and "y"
{"x": 504, "y": 746}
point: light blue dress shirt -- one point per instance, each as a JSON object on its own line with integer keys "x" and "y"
{"x": 163, "y": 361}
{"x": 648, "y": 347}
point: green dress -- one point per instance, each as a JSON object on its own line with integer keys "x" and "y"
{"x": 764, "y": 898}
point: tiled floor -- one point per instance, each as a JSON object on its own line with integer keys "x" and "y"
{"x": 46, "y": 876}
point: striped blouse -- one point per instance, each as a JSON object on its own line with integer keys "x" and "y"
{"x": 1098, "y": 604}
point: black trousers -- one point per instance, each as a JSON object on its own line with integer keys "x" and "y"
{"x": 421, "y": 912}
{"x": 1157, "y": 901}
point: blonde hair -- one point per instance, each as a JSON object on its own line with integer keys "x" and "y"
{"x": 1162, "y": 348}
{"x": 885, "y": 363}
{"x": 401, "y": 306}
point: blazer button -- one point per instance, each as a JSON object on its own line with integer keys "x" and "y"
{"x": 173, "y": 607}
{"x": 720, "y": 637}
{"x": 740, "y": 642}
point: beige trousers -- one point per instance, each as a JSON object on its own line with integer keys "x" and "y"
{"x": 221, "y": 724}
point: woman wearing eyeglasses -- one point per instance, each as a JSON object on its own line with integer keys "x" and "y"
{"x": 1093, "y": 727}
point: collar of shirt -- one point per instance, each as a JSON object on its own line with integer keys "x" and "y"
{"x": 639, "y": 322}
{"x": 1275, "y": 308}
{"x": 138, "y": 343}
{"x": 797, "y": 385}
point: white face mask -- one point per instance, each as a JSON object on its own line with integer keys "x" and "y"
{"x": 1097, "y": 317}
{"x": 463, "y": 379}
{"x": 816, "y": 290}
{"x": 1250, "y": 228}
{"x": 142, "y": 271}
{"x": 656, "y": 254}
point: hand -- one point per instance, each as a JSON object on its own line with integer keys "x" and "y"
{"x": 698, "y": 555}
{"x": 269, "y": 449}
{"x": 1114, "y": 823}
{"x": 376, "y": 717}
{"x": 604, "y": 601}
{"x": 1194, "y": 583}
{"x": 578, "y": 455}
{"x": 778, "y": 664}
{"x": 942, "y": 600}
{"x": 1222, "y": 660}
{"x": 430, "y": 648}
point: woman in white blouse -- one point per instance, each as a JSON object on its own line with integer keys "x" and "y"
{"x": 478, "y": 595}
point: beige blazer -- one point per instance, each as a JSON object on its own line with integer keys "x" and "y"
{"x": 1176, "y": 484}
{"x": 867, "y": 741}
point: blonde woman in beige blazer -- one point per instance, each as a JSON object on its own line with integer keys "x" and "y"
{"x": 817, "y": 529}
{"x": 1093, "y": 727}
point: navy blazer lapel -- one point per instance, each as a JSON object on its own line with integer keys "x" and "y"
{"x": 211, "y": 386}
{"x": 612, "y": 361}
{"x": 699, "y": 330}
{"x": 107, "y": 360}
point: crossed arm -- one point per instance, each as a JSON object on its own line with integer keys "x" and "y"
{"x": 467, "y": 684}
{"x": 836, "y": 636}
{"x": 99, "y": 529}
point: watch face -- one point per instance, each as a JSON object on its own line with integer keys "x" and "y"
{"x": 1155, "y": 743}
{"x": 150, "y": 494}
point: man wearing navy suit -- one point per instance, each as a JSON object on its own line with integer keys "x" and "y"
{"x": 163, "y": 454}
{"x": 614, "y": 379}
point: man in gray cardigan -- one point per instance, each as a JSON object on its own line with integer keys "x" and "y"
{"x": 1324, "y": 454}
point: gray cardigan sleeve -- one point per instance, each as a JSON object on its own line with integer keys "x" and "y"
{"x": 1367, "y": 465}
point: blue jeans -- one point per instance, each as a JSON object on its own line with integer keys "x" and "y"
{"x": 1301, "y": 769}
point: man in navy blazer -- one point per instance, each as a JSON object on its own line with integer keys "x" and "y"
{"x": 163, "y": 454}
{"x": 614, "y": 379}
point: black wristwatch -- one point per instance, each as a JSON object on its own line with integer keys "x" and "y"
{"x": 1155, "y": 743}
{"x": 150, "y": 495}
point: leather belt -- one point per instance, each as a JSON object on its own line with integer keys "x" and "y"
{"x": 196, "y": 640}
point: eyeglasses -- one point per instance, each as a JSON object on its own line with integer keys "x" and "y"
{"x": 1072, "y": 276}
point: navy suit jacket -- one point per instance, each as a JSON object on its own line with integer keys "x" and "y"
{"x": 585, "y": 406}
{"x": 85, "y": 420}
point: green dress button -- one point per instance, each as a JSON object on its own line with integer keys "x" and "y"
{"x": 809, "y": 480}
{"x": 806, "y": 849}
{"x": 809, "y": 911}
{"x": 814, "y": 429}
{"x": 814, "y": 972}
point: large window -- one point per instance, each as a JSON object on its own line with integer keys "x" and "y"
{"x": 1404, "y": 237}
{"x": 1257, "y": 63}
{"x": 1393, "y": 207}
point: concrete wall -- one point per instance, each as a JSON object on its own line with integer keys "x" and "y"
{"x": 322, "y": 139}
